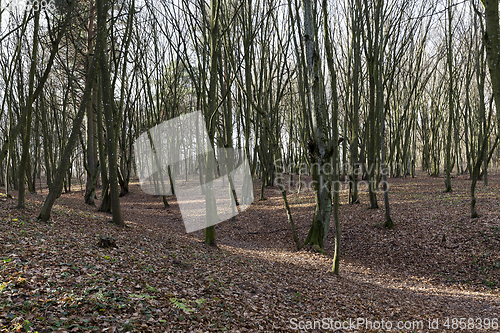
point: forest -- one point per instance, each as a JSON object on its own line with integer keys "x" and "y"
{"x": 249, "y": 166}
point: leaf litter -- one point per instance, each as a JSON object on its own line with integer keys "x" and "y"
{"x": 435, "y": 263}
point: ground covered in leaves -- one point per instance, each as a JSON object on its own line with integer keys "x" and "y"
{"x": 437, "y": 265}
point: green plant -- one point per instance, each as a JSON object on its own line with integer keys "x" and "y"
{"x": 490, "y": 283}
{"x": 152, "y": 289}
{"x": 184, "y": 304}
{"x": 3, "y": 285}
{"x": 27, "y": 325}
{"x": 181, "y": 305}
{"x": 128, "y": 326}
{"x": 141, "y": 296}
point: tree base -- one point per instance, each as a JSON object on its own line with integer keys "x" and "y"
{"x": 106, "y": 242}
{"x": 314, "y": 248}
{"x": 165, "y": 202}
{"x": 335, "y": 273}
{"x": 211, "y": 244}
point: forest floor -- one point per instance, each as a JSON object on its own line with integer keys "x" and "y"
{"x": 437, "y": 265}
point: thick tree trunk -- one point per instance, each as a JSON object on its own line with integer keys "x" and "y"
{"x": 372, "y": 54}
{"x": 110, "y": 112}
{"x": 92, "y": 152}
{"x": 381, "y": 105}
{"x": 92, "y": 170}
{"x": 320, "y": 150}
{"x": 492, "y": 44}
{"x": 388, "y": 221}
{"x": 354, "y": 140}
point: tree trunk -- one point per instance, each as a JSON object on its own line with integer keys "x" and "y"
{"x": 110, "y": 112}
{"x": 354, "y": 140}
{"x": 105, "y": 200}
{"x": 335, "y": 138}
{"x": 66, "y": 155}
{"x": 492, "y": 44}
{"x": 320, "y": 150}
{"x": 26, "y": 121}
{"x": 372, "y": 55}
{"x": 92, "y": 170}
{"x": 212, "y": 95}
{"x": 450, "y": 102}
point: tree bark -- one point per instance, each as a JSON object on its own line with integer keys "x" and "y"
{"x": 212, "y": 95}
{"x": 335, "y": 138}
{"x": 450, "y": 102}
{"x": 92, "y": 169}
{"x": 492, "y": 43}
{"x": 319, "y": 147}
{"x": 354, "y": 139}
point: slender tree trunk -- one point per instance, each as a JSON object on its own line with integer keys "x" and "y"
{"x": 212, "y": 95}
{"x": 247, "y": 45}
{"x": 450, "y": 101}
{"x": 105, "y": 199}
{"x": 41, "y": 80}
{"x": 68, "y": 149}
{"x": 335, "y": 138}
{"x": 29, "y": 111}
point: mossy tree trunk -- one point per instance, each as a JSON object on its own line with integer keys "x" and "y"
{"x": 320, "y": 148}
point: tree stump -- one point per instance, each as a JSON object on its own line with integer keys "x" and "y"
{"x": 106, "y": 242}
